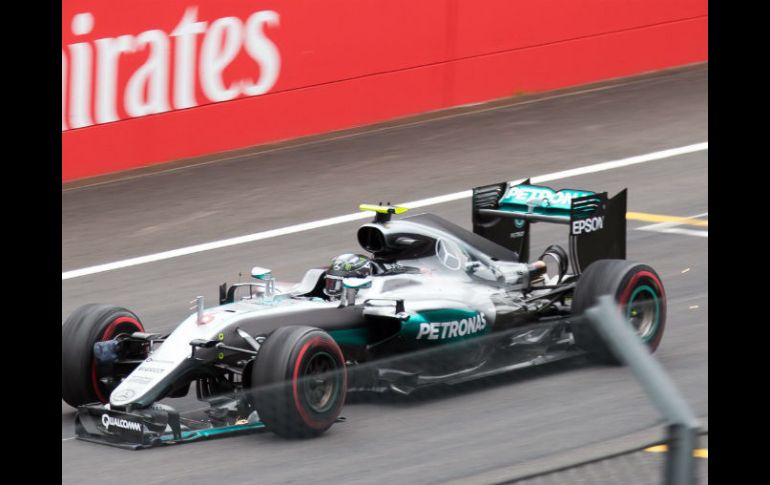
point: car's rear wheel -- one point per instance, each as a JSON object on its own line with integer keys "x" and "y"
{"x": 638, "y": 290}
{"x": 299, "y": 382}
{"x": 81, "y": 380}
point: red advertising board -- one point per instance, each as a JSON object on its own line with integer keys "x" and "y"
{"x": 151, "y": 81}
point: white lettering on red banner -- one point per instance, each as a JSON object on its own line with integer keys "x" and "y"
{"x": 149, "y": 89}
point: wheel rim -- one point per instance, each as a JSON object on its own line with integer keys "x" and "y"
{"x": 643, "y": 311}
{"x": 320, "y": 382}
{"x": 118, "y": 326}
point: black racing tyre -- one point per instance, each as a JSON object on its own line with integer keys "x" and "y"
{"x": 83, "y": 328}
{"x": 299, "y": 382}
{"x": 639, "y": 292}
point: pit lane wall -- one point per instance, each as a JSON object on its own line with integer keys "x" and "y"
{"x": 152, "y": 81}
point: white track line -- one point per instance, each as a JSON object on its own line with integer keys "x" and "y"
{"x": 685, "y": 232}
{"x": 198, "y": 248}
{"x": 674, "y": 227}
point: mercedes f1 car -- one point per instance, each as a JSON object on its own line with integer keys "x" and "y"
{"x": 434, "y": 303}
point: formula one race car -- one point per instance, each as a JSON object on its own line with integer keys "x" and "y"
{"x": 433, "y": 304}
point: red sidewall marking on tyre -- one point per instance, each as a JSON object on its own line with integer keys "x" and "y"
{"x": 630, "y": 286}
{"x": 295, "y": 383}
{"x": 107, "y": 335}
{"x": 658, "y": 286}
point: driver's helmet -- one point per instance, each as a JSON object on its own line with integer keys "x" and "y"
{"x": 345, "y": 266}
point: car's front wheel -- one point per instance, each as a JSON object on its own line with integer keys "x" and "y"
{"x": 81, "y": 376}
{"x": 299, "y": 382}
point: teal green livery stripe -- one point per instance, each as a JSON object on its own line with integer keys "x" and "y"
{"x": 355, "y": 337}
{"x": 205, "y": 433}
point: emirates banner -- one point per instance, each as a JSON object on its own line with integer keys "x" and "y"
{"x": 153, "y": 81}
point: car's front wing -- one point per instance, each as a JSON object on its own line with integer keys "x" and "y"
{"x": 157, "y": 426}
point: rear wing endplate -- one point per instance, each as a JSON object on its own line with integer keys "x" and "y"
{"x": 597, "y": 224}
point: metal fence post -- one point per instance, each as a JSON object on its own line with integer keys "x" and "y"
{"x": 680, "y": 464}
{"x": 682, "y": 424}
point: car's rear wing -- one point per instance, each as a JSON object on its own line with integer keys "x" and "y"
{"x": 503, "y": 213}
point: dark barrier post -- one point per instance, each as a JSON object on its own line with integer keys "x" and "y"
{"x": 682, "y": 423}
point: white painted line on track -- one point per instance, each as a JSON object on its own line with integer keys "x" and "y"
{"x": 675, "y": 227}
{"x": 684, "y": 232}
{"x": 198, "y": 248}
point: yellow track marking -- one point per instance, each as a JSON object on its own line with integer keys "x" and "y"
{"x": 697, "y": 453}
{"x": 643, "y": 216}
{"x": 657, "y": 449}
{"x": 701, "y": 453}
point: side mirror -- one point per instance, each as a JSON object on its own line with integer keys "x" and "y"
{"x": 261, "y": 273}
{"x": 472, "y": 266}
{"x": 264, "y": 274}
{"x": 350, "y": 289}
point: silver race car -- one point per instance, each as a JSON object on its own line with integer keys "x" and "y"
{"x": 429, "y": 303}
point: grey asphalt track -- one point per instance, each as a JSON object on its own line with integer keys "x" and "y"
{"x": 458, "y": 434}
